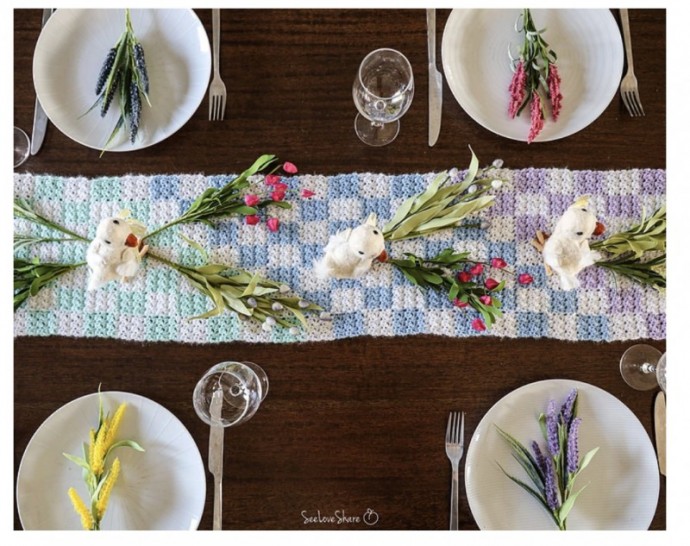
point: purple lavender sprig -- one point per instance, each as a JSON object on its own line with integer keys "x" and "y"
{"x": 553, "y": 470}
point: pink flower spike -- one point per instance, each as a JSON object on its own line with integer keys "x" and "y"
{"x": 477, "y": 269}
{"x": 478, "y": 325}
{"x": 464, "y": 276}
{"x": 272, "y": 179}
{"x": 491, "y": 283}
{"x": 554, "y": 81}
{"x": 498, "y": 263}
{"x": 517, "y": 89}
{"x": 307, "y": 193}
{"x": 289, "y": 168}
{"x": 525, "y": 278}
{"x": 486, "y": 300}
{"x": 273, "y": 223}
{"x": 251, "y": 200}
{"x": 460, "y": 304}
{"x": 277, "y": 195}
{"x": 251, "y": 220}
{"x": 536, "y": 118}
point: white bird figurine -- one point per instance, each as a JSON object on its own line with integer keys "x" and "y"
{"x": 116, "y": 252}
{"x": 350, "y": 253}
{"x": 567, "y": 250}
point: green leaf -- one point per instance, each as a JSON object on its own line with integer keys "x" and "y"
{"x": 78, "y": 461}
{"x": 127, "y": 443}
{"x": 587, "y": 459}
{"x": 567, "y": 506}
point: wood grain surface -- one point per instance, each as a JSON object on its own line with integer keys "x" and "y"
{"x": 355, "y": 424}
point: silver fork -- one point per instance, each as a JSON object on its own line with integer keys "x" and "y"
{"x": 455, "y": 446}
{"x": 217, "y": 94}
{"x": 629, "y": 92}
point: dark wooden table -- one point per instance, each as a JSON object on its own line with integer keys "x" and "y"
{"x": 359, "y": 423}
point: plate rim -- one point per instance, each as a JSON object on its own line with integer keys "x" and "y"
{"x": 116, "y": 394}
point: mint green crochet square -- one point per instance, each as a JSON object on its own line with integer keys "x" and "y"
{"x": 77, "y": 215}
{"x": 192, "y": 304}
{"x": 131, "y": 303}
{"x": 161, "y": 328}
{"x": 224, "y": 327}
{"x": 106, "y": 189}
{"x": 73, "y": 252}
{"x": 48, "y": 187}
{"x": 162, "y": 279}
{"x": 280, "y": 334}
{"x": 41, "y": 323}
{"x": 70, "y": 299}
{"x": 140, "y": 210}
{"x": 100, "y": 325}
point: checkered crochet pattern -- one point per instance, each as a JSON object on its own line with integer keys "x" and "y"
{"x": 155, "y": 306}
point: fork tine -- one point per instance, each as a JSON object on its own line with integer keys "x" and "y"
{"x": 461, "y": 440}
{"x": 637, "y": 103}
{"x": 448, "y": 428}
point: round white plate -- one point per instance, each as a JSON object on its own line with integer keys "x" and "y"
{"x": 163, "y": 488}
{"x": 623, "y": 478}
{"x": 69, "y": 55}
{"x": 477, "y": 66}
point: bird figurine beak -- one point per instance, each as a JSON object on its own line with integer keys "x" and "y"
{"x": 599, "y": 229}
{"x": 383, "y": 256}
{"x": 131, "y": 240}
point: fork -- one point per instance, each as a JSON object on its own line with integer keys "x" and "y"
{"x": 217, "y": 94}
{"x": 455, "y": 446}
{"x": 629, "y": 92}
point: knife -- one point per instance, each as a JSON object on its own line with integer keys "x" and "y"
{"x": 435, "y": 79}
{"x": 40, "y": 118}
{"x": 215, "y": 457}
{"x": 660, "y": 430}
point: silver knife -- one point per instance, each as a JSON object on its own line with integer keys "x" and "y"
{"x": 40, "y": 118}
{"x": 215, "y": 457}
{"x": 660, "y": 430}
{"x": 435, "y": 79}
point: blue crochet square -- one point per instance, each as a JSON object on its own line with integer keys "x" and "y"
{"x": 532, "y": 324}
{"x": 563, "y": 301}
{"x": 314, "y": 210}
{"x": 311, "y": 252}
{"x": 100, "y": 325}
{"x": 223, "y": 328}
{"x": 349, "y": 324}
{"x": 408, "y": 321}
{"x": 253, "y": 256}
{"x": 380, "y": 205}
{"x": 161, "y": 328}
{"x": 378, "y": 297}
{"x": 592, "y": 328}
{"x": 164, "y": 187}
{"x": 225, "y": 233}
{"x": 406, "y": 185}
{"x": 504, "y": 250}
{"x": 436, "y": 299}
{"x": 343, "y": 185}
{"x": 42, "y": 323}
{"x": 507, "y": 299}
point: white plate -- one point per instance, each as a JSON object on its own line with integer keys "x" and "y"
{"x": 623, "y": 477}
{"x": 477, "y": 67}
{"x": 68, "y": 58}
{"x": 163, "y": 488}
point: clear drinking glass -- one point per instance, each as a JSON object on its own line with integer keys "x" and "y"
{"x": 244, "y": 386}
{"x": 22, "y": 144}
{"x": 382, "y": 91}
{"x": 643, "y": 367}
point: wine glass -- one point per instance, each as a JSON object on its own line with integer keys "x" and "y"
{"x": 22, "y": 144}
{"x": 244, "y": 386}
{"x": 382, "y": 91}
{"x": 643, "y": 367}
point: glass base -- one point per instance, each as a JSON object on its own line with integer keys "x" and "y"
{"x": 22, "y": 145}
{"x": 376, "y": 134}
{"x": 638, "y": 367}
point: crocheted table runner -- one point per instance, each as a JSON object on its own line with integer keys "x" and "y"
{"x": 156, "y": 305}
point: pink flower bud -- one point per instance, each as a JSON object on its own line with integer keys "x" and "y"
{"x": 289, "y": 168}
{"x": 307, "y": 193}
{"x": 478, "y": 325}
{"x": 486, "y": 300}
{"x": 272, "y": 179}
{"x": 477, "y": 269}
{"x": 273, "y": 223}
{"x": 498, "y": 263}
{"x": 491, "y": 283}
{"x": 251, "y": 219}
{"x": 460, "y": 304}
{"x": 464, "y": 276}
{"x": 525, "y": 278}
{"x": 251, "y": 200}
{"x": 278, "y": 195}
